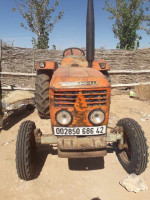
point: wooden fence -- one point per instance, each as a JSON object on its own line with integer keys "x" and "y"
{"x": 113, "y": 72}
{"x": 1, "y": 113}
{"x": 128, "y": 68}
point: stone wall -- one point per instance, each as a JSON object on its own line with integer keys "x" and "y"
{"x": 23, "y": 60}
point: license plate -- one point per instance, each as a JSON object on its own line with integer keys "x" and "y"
{"x": 99, "y": 130}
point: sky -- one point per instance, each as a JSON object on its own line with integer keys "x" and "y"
{"x": 69, "y": 31}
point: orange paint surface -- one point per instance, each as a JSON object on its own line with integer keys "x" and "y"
{"x": 78, "y": 74}
{"x": 80, "y": 110}
{"x": 96, "y": 65}
{"x": 80, "y": 100}
{"x": 48, "y": 65}
{"x": 79, "y": 61}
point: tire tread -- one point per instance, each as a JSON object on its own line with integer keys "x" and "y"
{"x": 142, "y": 149}
{"x": 42, "y": 95}
{"x": 23, "y": 150}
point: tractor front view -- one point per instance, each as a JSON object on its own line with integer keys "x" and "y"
{"x": 76, "y": 97}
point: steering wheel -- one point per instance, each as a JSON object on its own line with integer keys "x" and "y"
{"x": 73, "y": 51}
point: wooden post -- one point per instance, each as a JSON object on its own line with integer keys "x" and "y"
{"x": 1, "y": 112}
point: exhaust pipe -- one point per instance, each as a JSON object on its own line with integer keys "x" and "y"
{"x": 90, "y": 33}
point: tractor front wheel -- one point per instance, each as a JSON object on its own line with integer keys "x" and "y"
{"x": 26, "y": 151}
{"x": 134, "y": 155}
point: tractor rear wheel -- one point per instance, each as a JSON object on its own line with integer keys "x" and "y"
{"x": 134, "y": 156}
{"x": 42, "y": 95}
{"x": 26, "y": 151}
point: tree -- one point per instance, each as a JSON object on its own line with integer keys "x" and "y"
{"x": 147, "y": 18}
{"x": 129, "y": 18}
{"x": 53, "y": 47}
{"x": 39, "y": 17}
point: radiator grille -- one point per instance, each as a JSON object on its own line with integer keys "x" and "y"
{"x": 92, "y": 97}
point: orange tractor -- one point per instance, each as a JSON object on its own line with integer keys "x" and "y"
{"x": 76, "y": 96}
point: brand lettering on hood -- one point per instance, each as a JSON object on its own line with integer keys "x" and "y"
{"x": 68, "y": 84}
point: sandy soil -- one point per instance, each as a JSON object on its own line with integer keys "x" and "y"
{"x": 63, "y": 179}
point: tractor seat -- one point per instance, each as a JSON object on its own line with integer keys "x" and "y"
{"x": 73, "y": 51}
{"x": 74, "y": 61}
{"x": 74, "y": 57}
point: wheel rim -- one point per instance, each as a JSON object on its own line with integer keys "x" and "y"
{"x": 125, "y": 153}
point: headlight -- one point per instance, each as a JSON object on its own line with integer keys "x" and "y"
{"x": 63, "y": 117}
{"x": 102, "y": 65}
{"x": 96, "y": 117}
{"x": 42, "y": 64}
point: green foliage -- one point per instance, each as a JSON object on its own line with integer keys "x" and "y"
{"x": 147, "y": 18}
{"x": 53, "y": 47}
{"x": 129, "y": 17}
{"x": 39, "y": 17}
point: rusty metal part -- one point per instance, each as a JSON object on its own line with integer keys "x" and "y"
{"x": 126, "y": 154}
{"x": 37, "y": 135}
{"x": 48, "y": 139}
{"x": 109, "y": 127}
{"x": 82, "y": 143}
{"x": 44, "y": 139}
{"x": 82, "y": 154}
{"x": 115, "y": 135}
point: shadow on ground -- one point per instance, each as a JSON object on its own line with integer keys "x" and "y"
{"x": 80, "y": 164}
{"x": 76, "y": 164}
{"x": 41, "y": 156}
{"x": 97, "y": 198}
{"x": 16, "y": 117}
{"x": 86, "y": 163}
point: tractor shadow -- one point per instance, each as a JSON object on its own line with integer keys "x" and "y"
{"x": 85, "y": 164}
{"x": 75, "y": 164}
{"x": 41, "y": 156}
{"x": 16, "y": 117}
{"x": 96, "y": 198}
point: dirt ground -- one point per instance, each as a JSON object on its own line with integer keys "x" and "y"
{"x": 74, "y": 179}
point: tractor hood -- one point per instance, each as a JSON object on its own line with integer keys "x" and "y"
{"x": 78, "y": 77}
